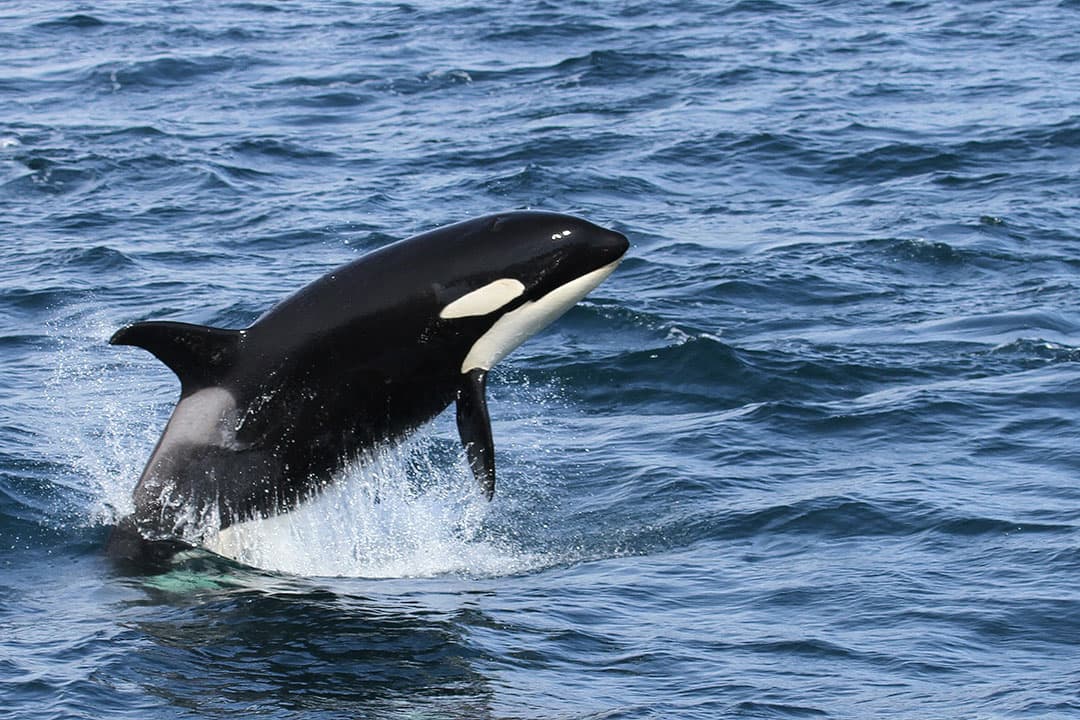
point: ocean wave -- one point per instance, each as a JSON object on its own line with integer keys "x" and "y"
{"x": 51, "y": 177}
{"x": 998, "y": 327}
{"x": 1032, "y": 352}
{"x": 78, "y": 22}
{"x": 164, "y": 71}
{"x": 816, "y": 436}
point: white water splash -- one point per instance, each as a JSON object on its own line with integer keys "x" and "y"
{"x": 411, "y": 510}
{"x": 396, "y": 513}
{"x": 108, "y": 414}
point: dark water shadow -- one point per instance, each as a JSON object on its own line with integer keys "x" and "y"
{"x": 214, "y": 636}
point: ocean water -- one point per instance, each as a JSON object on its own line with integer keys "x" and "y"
{"x": 812, "y": 451}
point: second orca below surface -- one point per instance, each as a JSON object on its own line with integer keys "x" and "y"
{"x": 362, "y": 356}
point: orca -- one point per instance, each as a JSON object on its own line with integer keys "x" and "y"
{"x": 362, "y": 356}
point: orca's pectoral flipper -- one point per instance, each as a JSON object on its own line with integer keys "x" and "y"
{"x": 199, "y": 355}
{"x": 474, "y": 425}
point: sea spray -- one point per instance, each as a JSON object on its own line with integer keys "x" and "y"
{"x": 395, "y": 512}
{"x": 106, "y": 416}
{"x": 410, "y": 509}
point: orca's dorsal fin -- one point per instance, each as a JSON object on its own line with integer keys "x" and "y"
{"x": 474, "y": 425}
{"x": 199, "y": 355}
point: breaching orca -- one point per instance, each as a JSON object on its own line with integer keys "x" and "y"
{"x": 362, "y": 356}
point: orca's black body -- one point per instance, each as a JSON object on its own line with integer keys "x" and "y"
{"x": 363, "y": 355}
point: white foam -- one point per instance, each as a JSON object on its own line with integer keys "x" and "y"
{"x": 393, "y": 514}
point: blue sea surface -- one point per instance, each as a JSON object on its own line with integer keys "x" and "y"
{"x": 812, "y": 451}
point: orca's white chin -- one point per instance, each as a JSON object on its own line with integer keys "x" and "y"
{"x": 518, "y": 325}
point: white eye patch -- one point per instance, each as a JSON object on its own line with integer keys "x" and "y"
{"x": 483, "y": 300}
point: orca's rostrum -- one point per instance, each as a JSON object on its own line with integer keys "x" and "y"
{"x": 362, "y": 356}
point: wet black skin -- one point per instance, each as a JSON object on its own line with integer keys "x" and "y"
{"x": 356, "y": 358}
